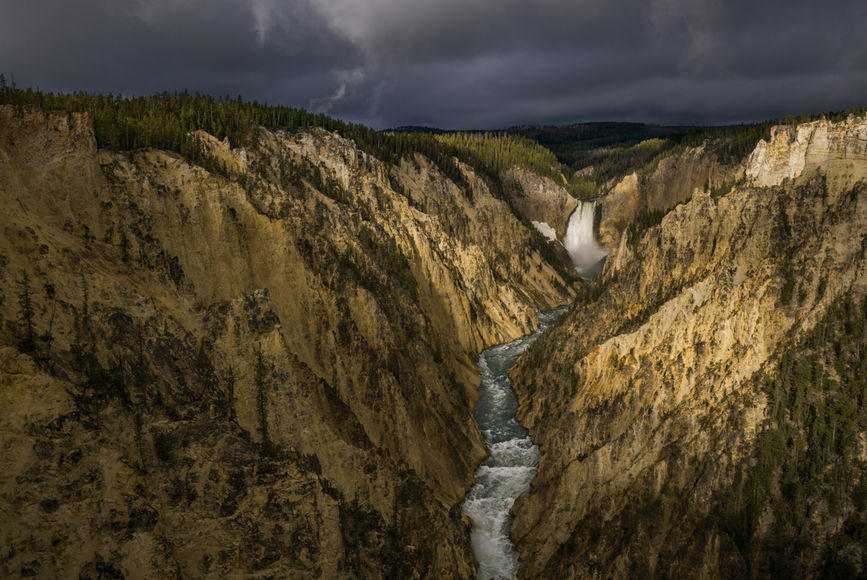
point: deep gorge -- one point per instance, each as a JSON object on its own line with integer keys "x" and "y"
{"x": 512, "y": 458}
{"x": 278, "y": 356}
{"x": 258, "y": 357}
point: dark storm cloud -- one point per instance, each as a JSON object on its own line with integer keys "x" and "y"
{"x": 457, "y": 63}
{"x": 217, "y": 46}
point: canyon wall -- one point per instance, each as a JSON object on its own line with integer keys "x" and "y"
{"x": 263, "y": 371}
{"x": 694, "y": 408}
{"x": 671, "y": 182}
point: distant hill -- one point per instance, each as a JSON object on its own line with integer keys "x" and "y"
{"x": 603, "y": 134}
{"x": 616, "y": 149}
{"x": 415, "y": 129}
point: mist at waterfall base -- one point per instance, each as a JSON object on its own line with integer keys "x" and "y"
{"x": 512, "y": 458}
{"x": 586, "y": 253}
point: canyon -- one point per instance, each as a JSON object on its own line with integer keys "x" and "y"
{"x": 263, "y": 364}
{"x": 270, "y": 373}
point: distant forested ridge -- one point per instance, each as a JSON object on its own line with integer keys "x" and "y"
{"x": 614, "y": 150}
{"x": 502, "y": 151}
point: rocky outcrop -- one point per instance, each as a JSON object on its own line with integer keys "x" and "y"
{"x": 673, "y": 181}
{"x": 836, "y": 149}
{"x": 269, "y": 371}
{"x": 617, "y": 209}
{"x": 647, "y": 400}
{"x": 539, "y": 199}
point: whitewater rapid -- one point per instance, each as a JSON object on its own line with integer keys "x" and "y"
{"x": 512, "y": 458}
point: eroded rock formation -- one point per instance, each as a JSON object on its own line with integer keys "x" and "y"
{"x": 660, "y": 401}
{"x": 264, "y": 372}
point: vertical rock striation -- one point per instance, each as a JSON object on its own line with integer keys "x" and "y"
{"x": 265, "y": 372}
{"x": 651, "y": 402}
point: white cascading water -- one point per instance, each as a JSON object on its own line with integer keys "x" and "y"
{"x": 512, "y": 458}
{"x": 582, "y": 247}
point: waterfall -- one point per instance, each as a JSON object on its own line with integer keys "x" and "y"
{"x": 585, "y": 251}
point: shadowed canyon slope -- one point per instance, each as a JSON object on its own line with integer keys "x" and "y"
{"x": 701, "y": 411}
{"x": 268, "y": 371}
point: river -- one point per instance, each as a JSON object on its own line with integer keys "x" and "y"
{"x": 512, "y": 458}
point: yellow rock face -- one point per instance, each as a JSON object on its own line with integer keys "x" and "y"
{"x": 268, "y": 372}
{"x": 540, "y": 199}
{"x": 643, "y": 401}
{"x": 673, "y": 181}
{"x": 837, "y": 149}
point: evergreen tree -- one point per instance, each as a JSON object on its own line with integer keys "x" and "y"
{"x": 26, "y": 314}
{"x": 204, "y": 370}
{"x": 230, "y": 377}
{"x": 48, "y": 337}
{"x": 260, "y": 379}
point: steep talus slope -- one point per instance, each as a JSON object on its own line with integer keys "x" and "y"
{"x": 680, "y": 435}
{"x": 265, "y": 372}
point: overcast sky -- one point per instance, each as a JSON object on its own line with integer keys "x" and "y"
{"x": 456, "y": 63}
